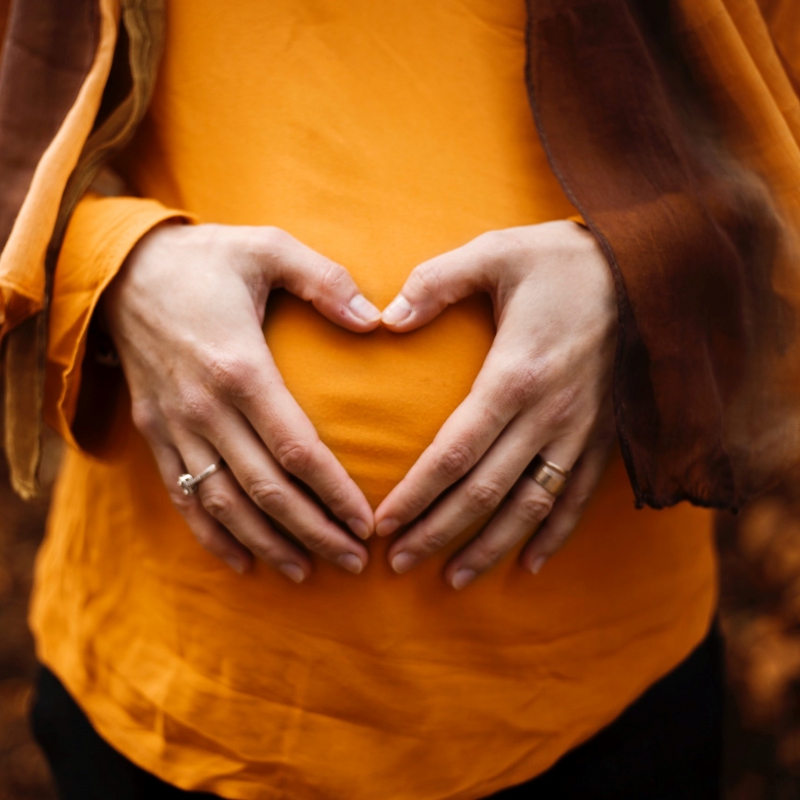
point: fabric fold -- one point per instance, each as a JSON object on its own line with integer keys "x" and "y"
{"x": 677, "y": 149}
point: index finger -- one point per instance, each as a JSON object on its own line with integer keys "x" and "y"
{"x": 258, "y": 391}
{"x": 460, "y": 443}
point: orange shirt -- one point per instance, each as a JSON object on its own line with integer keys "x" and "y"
{"x": 381, "y": 135}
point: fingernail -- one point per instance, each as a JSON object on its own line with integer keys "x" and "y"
{"x": 403, "y": 562}
{"x": 359, "y": 527}
{"x": 236, "y": 564}
{"x": 387, "y": 526}
{"x": 398, "y": 310}
{"x": 538, "y": 564}
{"x": 363, "y": 309}
{"x": 352, "y": 563}
{"x": 293, "y": 571}
{"x": 463, "y": 577}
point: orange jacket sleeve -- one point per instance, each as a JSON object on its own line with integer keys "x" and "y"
{"x": 101, "y": 233}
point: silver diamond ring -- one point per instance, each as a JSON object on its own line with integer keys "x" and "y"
{"x": 189, "y": 482}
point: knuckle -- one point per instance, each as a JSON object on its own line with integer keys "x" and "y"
{"x": 333, "y": 278}
{"x": 524, "y": 383}
{"x": 486, "y": 554}
{"x": 264, "y": 544}
{"x": 274, "y": 238}
{"x": 218, "y": 503}
{"x": 315, "y": 538}
{"x": 295, "y": 456}
{"x": 491, "y": 240}
{"x": 230, "y": 373}
{"x": 182, "y": 503}
{"x": 195, "y": 405}
{"x": 435, "y": 539}
{"x": 481, "y": 498}
{"x": 268, "y": 495}
{"x": 145, "y": 418}
{"x": 454, "y": 461}
{"x": 494, "y": 244}
{"x": 503, "y": 249}
{"x": 337, "y": 497}
{"x": 411, "y": 507}
{"x": 561, "y": 408}
{"x": 532, "y": 510}
{"x": 205, "y": 538}
{"x": 265, "y": 551}
{"x": 428, "y": 278}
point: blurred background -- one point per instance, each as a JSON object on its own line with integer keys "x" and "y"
{"x": 759, "y": 554}
{"x": 760, "y": 615}
{"x": 23, "y": 774}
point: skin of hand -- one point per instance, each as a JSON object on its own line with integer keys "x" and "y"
{"x": 186, "y": 314}
{"x": 544, "y": 389}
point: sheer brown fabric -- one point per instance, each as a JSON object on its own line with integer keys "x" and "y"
{"x": 48, "y": 49}
{"x": 57, "y": 37}
{"x": 48, "y": 54}
{"x": 642, "y": 107}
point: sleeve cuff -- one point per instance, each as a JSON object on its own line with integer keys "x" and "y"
{"x": 101, "y": 234}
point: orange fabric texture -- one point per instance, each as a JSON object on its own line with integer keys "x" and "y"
{"x": 77, "y": 289}
{"x": 381, "y": 135}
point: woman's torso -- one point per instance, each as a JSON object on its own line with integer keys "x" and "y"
{"x": 380, "y": 135}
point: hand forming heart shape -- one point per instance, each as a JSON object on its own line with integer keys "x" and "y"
{"x": 543, "y": 390}
{"x": 204, "y": 386}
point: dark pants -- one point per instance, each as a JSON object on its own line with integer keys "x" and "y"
{"x": 666, "y": 746}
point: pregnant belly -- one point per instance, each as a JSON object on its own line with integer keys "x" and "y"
{"x": 377, "y": 400}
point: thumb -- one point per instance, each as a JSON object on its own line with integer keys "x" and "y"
{"x": 434, "y": 285}
{"x": 327, "y": 285}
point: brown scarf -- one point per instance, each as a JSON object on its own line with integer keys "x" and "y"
{"x": 706, "y": 377}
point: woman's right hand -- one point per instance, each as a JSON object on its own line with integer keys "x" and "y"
{"x": 186, "y": 314}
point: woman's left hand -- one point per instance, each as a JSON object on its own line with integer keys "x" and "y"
{"x": 543, "y": 390}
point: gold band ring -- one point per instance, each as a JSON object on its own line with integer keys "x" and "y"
{"x": 550, "y": 476}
